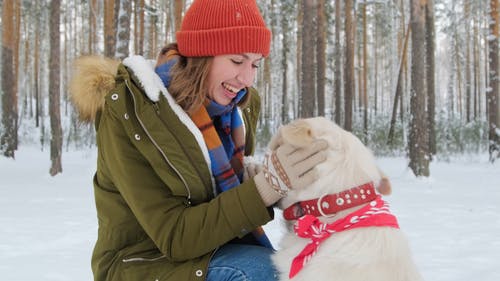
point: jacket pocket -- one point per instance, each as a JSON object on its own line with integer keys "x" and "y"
{"x": 142, "y": 261}
{"x": 143, "y": 258}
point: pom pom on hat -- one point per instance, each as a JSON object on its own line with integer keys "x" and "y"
{"x": 217, "y": 27}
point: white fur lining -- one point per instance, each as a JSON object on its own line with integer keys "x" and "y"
{"x": 153, "y": 86}
{"x": 144, "y": 70}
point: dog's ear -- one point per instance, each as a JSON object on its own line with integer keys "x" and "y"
{"x": 298, "y": 133}
{"x": 384, "y": 187}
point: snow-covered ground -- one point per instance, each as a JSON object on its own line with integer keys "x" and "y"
{"x": 48, "y": 224}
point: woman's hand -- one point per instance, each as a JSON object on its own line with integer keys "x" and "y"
{"x": 289, "y": 167}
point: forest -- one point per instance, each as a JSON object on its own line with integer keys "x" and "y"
{"x": 412, "y": 78}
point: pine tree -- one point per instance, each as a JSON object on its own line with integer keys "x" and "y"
{"x": 307, "y": 93}
{"x": 349, "y": 66}
{"x": 54, "y": 89}
{"x": 8, "y": 140}
{"x": 493, "y": 109}
{"x": 418, "y": 142}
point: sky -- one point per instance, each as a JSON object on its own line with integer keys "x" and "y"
{"x": 49, "y": 226}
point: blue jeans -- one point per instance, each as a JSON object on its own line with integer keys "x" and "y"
{"x": 237, "y": 262}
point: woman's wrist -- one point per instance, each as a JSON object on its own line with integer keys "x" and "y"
{"x": 268, "y": 194}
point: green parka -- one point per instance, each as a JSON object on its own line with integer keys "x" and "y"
{"x": 154, "y": 192}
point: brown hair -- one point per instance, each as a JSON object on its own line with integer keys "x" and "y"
{"x": 189, "y": 84}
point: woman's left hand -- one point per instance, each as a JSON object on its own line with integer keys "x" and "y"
{"x": 251, "y": 168}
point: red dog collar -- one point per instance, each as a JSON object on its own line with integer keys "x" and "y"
{"x": 332, "y": 203}
{"x": 376, "y": 213}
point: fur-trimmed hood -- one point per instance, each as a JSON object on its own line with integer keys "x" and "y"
{"x": 92, "y": 78}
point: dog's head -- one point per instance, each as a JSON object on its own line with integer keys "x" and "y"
{"x": 349, "y": 163}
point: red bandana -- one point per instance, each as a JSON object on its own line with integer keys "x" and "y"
{"x": 376, "y": 213}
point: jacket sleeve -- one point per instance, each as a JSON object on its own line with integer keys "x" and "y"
{"x": 180, "y": 231}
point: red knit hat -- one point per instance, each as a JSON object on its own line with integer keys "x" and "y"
{"x": 217, "y": 27}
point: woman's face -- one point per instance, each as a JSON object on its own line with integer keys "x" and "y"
{"x": 231, "y": 73}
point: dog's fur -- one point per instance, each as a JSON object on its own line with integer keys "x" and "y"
{"x": 361, "y": 254}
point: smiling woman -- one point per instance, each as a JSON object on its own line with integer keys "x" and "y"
{"x": 231, "y": 74}
{"x": 175, "y": 198}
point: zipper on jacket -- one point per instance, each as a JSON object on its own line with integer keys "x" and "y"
{"x": 143, "y": 259}
{"x": 157, "y": 109}
{"x": 156, "y": 144}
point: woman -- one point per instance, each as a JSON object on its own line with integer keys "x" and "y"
{"x": 174, "y": 199}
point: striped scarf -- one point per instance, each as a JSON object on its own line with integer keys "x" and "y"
{"x": 222, "y": 130}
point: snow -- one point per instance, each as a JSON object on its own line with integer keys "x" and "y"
{"x": 48, "y": 224}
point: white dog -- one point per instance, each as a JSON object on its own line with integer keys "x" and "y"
{"x": 349, "y": 234}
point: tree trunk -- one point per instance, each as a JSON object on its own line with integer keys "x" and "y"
{"x": 17, "y": 38}
{"x": 338, "y": 62}
{"x": 399, "y": 88}
{"x": 300, "y": 20}
{"x": 152, "y": 32}
{"x": 349, "y": 66}
{"x": 109, "y": 28}
{"x": 376, "y": 63}
{"x": 123, "y": 32}
{"x": 418, "y": 141}
{"x": 365, "y": 74}
{"x": 430, "y": 75}
{"x": 321, "y": 57}
{"x": 307, "y": 92}
{"x": 459, "y": 75}
{"x": 493, "y": 110}
{"x": 138, "y": 12}
{"x": 93, "y": 14}
{"x": 475, "y": 51}
{"x": 485, "y": 55}
{"x": 178, "y": 7}
{"x": 36, "y": 74}
{"x": 285, "y": 50}
{"x": 54, "y": 89}
{"x": 27, "y": 104}
{"x": 9, "y": 96}
{"x": 267, "y": 86}
{"x": 358, "y": 69}
{"x": 404, "y": 81}
{"x": 467, "y": 68}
